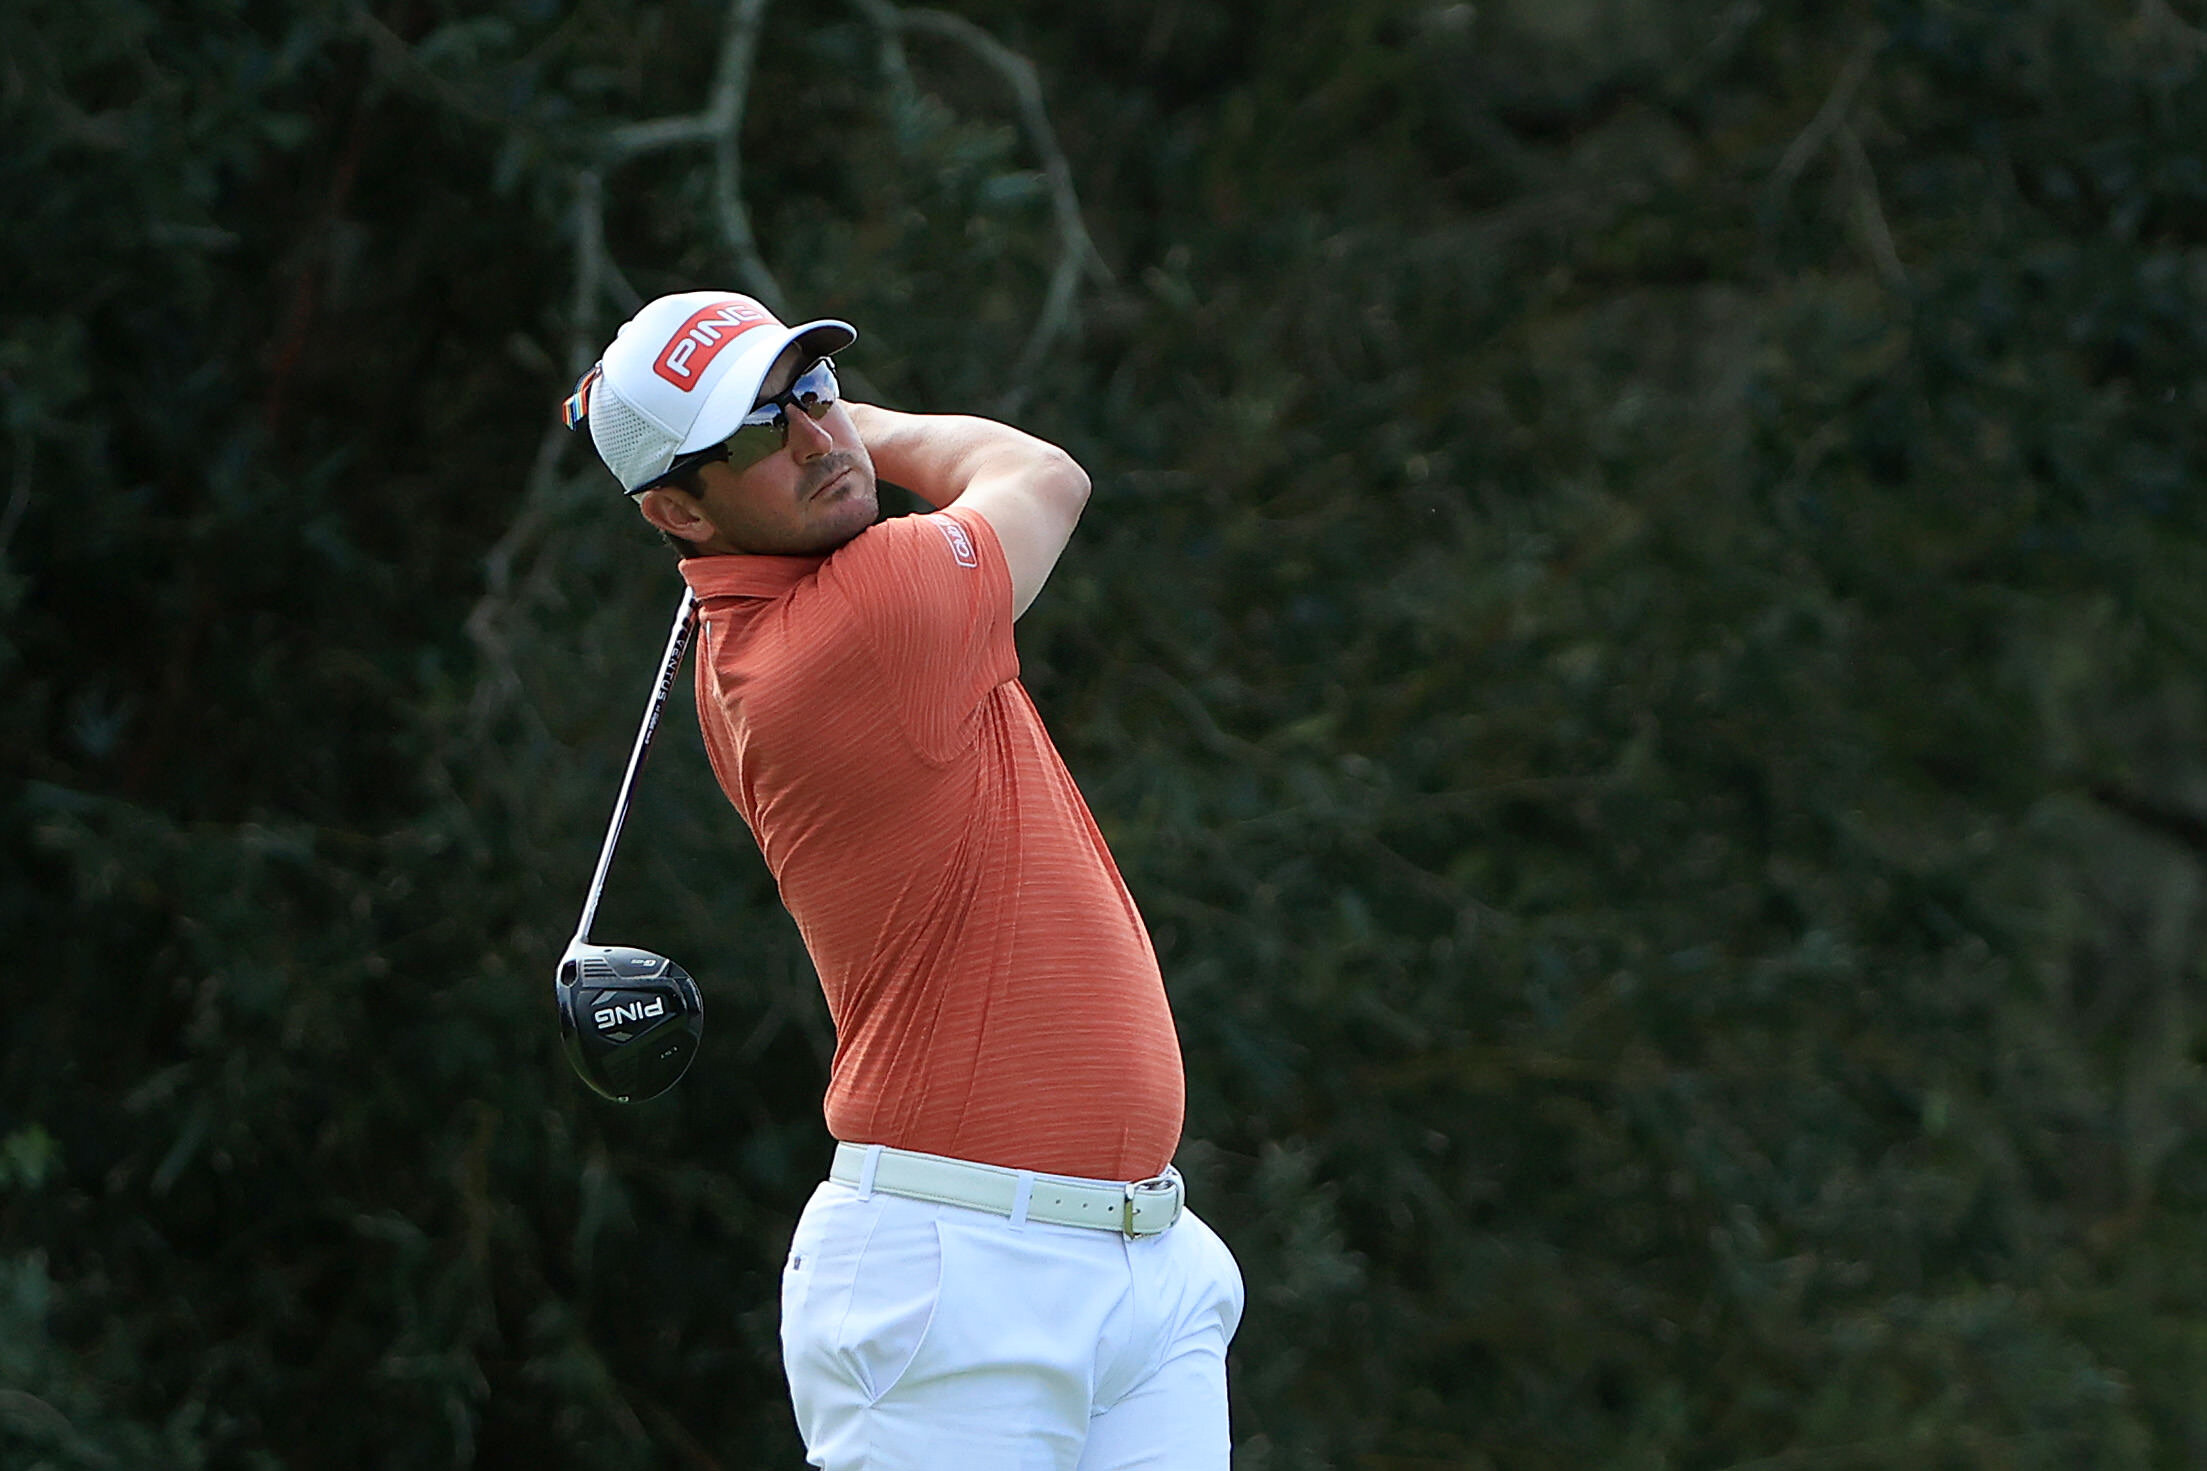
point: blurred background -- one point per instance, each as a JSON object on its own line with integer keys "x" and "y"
{"x": 1641, "y": 641}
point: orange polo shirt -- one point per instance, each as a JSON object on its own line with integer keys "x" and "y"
{"x": 994, "y": 991}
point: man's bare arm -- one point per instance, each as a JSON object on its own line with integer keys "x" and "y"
{"x": 1028, "y": 490}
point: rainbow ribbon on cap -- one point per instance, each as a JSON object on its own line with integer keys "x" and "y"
{"x": 577, "y": 407}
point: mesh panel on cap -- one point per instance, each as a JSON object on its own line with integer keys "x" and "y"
{"x": 633, "y": 448}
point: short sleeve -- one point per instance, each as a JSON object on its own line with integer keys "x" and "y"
{"x": 931, "y": 597}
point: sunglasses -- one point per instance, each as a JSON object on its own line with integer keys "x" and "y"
{"x": 765, "y": 430}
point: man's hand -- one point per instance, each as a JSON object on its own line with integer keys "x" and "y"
{"x": 1028, "y": 490}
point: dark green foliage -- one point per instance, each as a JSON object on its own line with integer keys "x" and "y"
{"x": 1638, "y": 641}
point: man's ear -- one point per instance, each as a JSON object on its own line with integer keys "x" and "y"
{"x": 677, "y": 513}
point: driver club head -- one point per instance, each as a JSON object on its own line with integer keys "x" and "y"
{"x": 630, "y": 1020}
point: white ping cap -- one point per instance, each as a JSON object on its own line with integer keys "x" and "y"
{"x": 681, "y": 374}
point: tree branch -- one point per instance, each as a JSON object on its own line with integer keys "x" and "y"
{"x": 1805, "y": 146}
{"x": 731, "y": 89}
{"x": 395, "y": 61}
{"x": 2187, "y": 829}
{"x": 721, "y": 125}
{"x": 1882, "y": 252}
{"x": 632, "y": 139}
{"x": 1077, "y": 253}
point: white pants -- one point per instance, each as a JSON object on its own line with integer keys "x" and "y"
{"x": 922, "y": 1337}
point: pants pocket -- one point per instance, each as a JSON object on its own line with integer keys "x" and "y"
{"x": 895, "y": 1286}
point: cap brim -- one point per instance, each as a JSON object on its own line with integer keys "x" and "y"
{"x": 737, "y": 393}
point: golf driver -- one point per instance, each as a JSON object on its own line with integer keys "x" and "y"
{"x": 630, "y": 1020}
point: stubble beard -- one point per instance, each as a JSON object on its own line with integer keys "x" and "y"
{"x": 819, "y": 472}
{"x": 861, "y": 486}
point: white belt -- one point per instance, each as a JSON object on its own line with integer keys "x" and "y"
{"x": 1133, "y": 1208}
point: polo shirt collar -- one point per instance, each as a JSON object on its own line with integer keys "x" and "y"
{"x": 746, "y": 576}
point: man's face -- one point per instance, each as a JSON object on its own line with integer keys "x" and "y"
{"x": 805, "y": 499}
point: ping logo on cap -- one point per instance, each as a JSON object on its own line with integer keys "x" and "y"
{"x": 691, "y": 350}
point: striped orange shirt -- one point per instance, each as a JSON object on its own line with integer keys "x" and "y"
{"x": 994, "y": 991}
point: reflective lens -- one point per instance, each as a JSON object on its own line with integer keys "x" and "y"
{"x": 766, "y": 428}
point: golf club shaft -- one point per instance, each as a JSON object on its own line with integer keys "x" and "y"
{"x": 670, "y": 664}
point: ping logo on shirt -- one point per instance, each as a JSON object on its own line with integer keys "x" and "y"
{"x": 691, "y": 350}
{"x": 961, "y": 545}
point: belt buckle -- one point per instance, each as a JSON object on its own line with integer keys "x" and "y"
{"x": 1140, "y": 1191}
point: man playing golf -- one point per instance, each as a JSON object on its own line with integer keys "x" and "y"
{"x": 998, "y": 1271}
